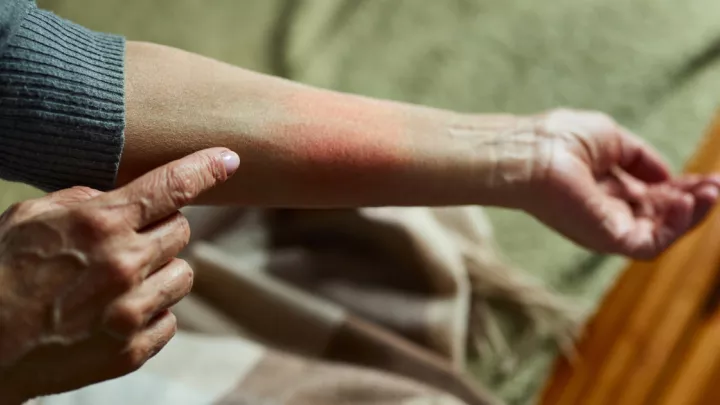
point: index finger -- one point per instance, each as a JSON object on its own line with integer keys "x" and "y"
{"x": 161, "y": 192}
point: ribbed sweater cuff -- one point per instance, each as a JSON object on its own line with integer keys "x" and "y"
{"x": 62, "y": 108}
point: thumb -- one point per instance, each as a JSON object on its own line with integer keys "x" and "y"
{"x": 161, "y": 192}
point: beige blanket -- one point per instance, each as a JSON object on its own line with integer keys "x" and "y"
{"x": 370, "y": 306}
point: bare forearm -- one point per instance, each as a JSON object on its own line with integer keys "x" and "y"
{"x": 299, "y": 146}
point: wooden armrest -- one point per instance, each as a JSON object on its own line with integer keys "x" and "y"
{"x": 656, "y": 338}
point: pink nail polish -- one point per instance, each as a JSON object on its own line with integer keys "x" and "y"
{"x": 231, "y": 161}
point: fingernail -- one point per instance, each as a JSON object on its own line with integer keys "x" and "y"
{"x": 231, "y": 161}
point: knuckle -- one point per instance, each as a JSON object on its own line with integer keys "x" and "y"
{"x": 189, "y": 179}
{"x": 140, "y": 350}
{"x": 10, "y": 213}
{"x": 95, "y": 221}
{"x": 126, "y": 318}
{"x": 215, "y": 168}
{"x": 135, "y": 356}
{"x": 183, "y": 184}
{"x": 18, "y": 207}
{"x": 13, "y": 208}
{"x": 24, "y": 209}
{"x": 210, "y": 168}
{"x": 124, "y": 270}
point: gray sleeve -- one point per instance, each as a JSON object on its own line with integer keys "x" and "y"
{"x": 62, "y": 107}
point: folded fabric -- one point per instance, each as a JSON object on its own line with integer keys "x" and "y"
{"x": 376, "y": 305}
{"x": 201, "y": 370}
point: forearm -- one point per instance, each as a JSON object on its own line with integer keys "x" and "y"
{"x": 302, "y": 146}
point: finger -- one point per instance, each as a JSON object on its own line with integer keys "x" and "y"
{"x": 689, "y": 182}
{"x": 640, "y": 160}
{"x": 153, "y": 338}
{"x": 651, "y": 237}
{"x": 704, "y": 190}
{"x": 159, "y": 292}
{"x": 142, "y": 346}
{"x": 163, "y": 191}
{"x": 677, "y": 220}
{"x": 706, "y": 196}
{"x": 99, "y": 358}
{"x": 646, "y": 236}
{"x": 166, "y": 240}
{"x": 639, "y": 242}
{"x": 713, "y": 179}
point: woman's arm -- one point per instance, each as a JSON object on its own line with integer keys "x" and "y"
{"x": 578, "y": 172}
{"x": 301, "y": 146}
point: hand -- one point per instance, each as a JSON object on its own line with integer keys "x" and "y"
{"x": 602, "y": 187}
{"x": 86, "y": 278}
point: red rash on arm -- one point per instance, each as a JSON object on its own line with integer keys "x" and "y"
{"x": 338, "y": 137}
{"x": 299, "y": 146}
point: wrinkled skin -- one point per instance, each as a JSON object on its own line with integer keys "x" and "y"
{"x": 87, "y": 278}
{"x": 602, "y": 187}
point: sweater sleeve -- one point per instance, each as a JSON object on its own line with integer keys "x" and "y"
{"x": 62, "y": 108}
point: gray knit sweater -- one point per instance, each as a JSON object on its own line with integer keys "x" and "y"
{"x": 62, "y": 108}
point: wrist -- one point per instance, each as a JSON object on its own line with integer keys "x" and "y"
{"x": 492, "y": 158}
